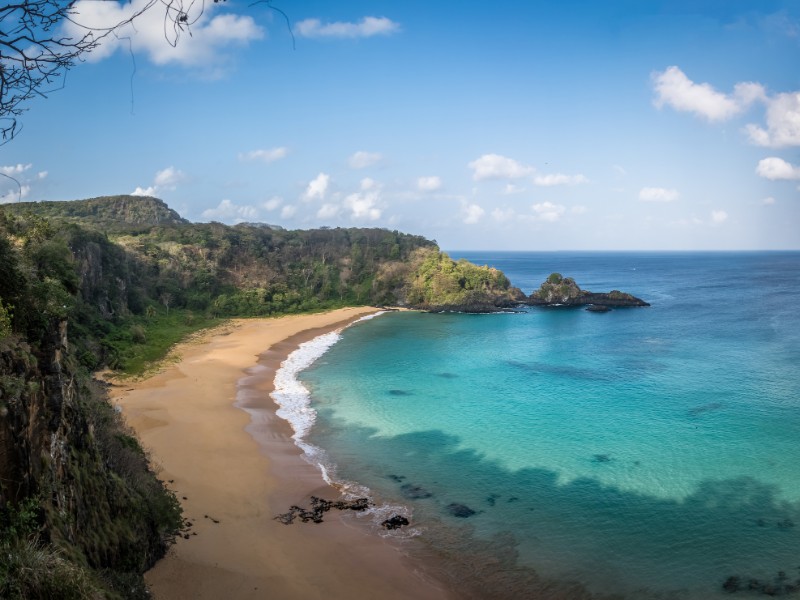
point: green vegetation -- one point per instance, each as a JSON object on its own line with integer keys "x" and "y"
{"x": 114, "y": 282}
{"x": 439, "y": 282}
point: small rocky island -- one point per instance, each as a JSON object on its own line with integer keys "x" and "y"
{"x": 563, "y": 291}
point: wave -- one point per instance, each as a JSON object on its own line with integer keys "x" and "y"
{"x": 294, "y": 402}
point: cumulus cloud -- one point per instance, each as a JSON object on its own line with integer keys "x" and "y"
{"x": 363, "y": 205}
{"x": 510, "y": 189}
{"x": 471, "y": 213}
{"x": 495, "y": 166}
{"x": 288, "y": 211}
{"x": 429, "y": 184}
{"x": 673, "y": 88}
{"x": 328, "y": 211}
{"x": 503, "y": 215}
{"x": 16, "y": 185}
{"x": 15, "y": 195}
{"x": 273, "y": 203}
{"x": 140, "y": 191}
{"x": 317, "y": 187}
{"x": 362, "y": 160}
{"x": 164, "y": 180}
{"x": 655, "y": 194}
{"x": 168, "y": 178}
{"x": 366, "y": 27}
{"x": 775, "y": 168}
{"x": 559, "y": 179}
{"x": 547, "y": 211}
{"x": 210, "y": 34}
{"x": 718, "y": 217}
{"x": 12, "y": 170}
{"x": 783, "y": 123}
{"x": 228, "y": 211}
{"x": 267, "y": 156}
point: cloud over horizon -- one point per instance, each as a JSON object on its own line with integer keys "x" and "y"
{"x": 365, "y": 28}
{"x": 656, "y": 194}
{"x": 496, "y": 166}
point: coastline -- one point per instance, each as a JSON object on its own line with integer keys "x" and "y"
{"x": 212, "y": 431}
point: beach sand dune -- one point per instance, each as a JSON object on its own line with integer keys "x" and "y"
{"x": 213, "y": 435}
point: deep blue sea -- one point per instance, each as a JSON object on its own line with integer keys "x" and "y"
{"x": 557, "y": 453}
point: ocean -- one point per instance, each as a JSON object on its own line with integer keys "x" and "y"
{"x": 558, "y": 453}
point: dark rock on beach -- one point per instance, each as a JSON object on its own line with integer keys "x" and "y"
{"x": 563, "y": 291}
{"x": 319, "y": 506}
{"x": 395, "y": 522}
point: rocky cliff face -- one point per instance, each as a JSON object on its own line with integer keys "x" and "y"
{"x": 64, "y": 452}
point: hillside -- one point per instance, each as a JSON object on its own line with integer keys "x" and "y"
{"x": 106, "y": 212}
{"x": 113, "y": 282}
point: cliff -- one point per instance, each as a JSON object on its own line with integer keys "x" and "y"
{"x": 563, "y": 291}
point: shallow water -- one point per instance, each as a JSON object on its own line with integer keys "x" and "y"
{"x": 553, "y": 453}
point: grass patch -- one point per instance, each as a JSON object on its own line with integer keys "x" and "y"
{"x": 144, "y": 343}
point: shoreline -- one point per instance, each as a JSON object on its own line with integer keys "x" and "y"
{"x": 211, "y": 429}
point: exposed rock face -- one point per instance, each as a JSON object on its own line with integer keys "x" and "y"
{"x": 563, "y": 291}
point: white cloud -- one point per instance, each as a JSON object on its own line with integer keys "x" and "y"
{"x": 363, "y": 205}
{"x": 429, "y": 184}
{"x": 317, "y": 187}
{"x": 140, "y": 191}
{"x": 495, "y": 166}
{"x": 783, "y": 123}
{"x": 471, "y": 213}
{"x": 775, "y": 168}
{"x": 266, "y": 156}
{"x": 673, "y": 88}
{"x": 578, "y": 210}
{"x": 328, "y": 211}
{"x": 288, "y": 211}
{"x": 503, "y": 215}
{"x": 768, "y": 200}
{"x": 362, "y": 160}
{"x": 654, "y": 194}
{"x": 547, "y": 211}
{"x": 200, "y": 44}
{"x": 366, "y": 27}
{"x": 168, "y": 178}
{"x": 559, "y": 179}
{"x": 273, "y": 203}
{"x": 228, "y": 211}
{"x": 511, "y": 189}
{"x": 164, "y": 180}
{"x": 15, "y": 195}
{"x": 718, "y": 217}
{"x": 12, "y": 170}
{"x": 41, "y": 175}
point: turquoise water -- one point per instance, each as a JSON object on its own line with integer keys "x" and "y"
{"x": 647, "y": 452}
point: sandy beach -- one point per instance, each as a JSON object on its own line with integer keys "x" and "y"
{"x": 210, "y": 427}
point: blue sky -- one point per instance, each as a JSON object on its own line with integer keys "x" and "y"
{"x": 529, "y": 125}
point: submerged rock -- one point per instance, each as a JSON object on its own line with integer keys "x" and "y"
{"x": 414, "y": 492}
{"x": 462, "y": 511}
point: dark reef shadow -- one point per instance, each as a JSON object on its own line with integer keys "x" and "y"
{"x": 754, "y": 519}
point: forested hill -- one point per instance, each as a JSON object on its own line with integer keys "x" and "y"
{"x": 109, "y": 213}
{"x": 113, "y": 282}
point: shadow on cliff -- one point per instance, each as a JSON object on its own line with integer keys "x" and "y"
{"x": 621, "y": 542}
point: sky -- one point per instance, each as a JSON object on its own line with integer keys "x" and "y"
{"x": 505, "y": 125}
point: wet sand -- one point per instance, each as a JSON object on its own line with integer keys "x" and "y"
{"x": 210, "y": 427}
